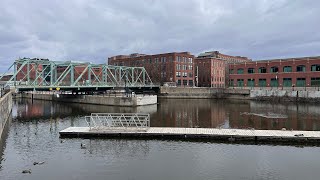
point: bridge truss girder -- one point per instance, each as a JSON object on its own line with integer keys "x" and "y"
{"x": 30, "y": 73}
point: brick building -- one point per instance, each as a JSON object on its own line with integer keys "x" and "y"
{"x": 175, "y": 67}
{"x": 6, "y": 77}
{"x": 211, "y": 68}
{"x": 291, "y": 72}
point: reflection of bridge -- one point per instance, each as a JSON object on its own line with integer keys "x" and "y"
{"x": 45, "y": 75}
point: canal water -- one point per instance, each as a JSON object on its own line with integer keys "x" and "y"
{"x": 33, "y": 136}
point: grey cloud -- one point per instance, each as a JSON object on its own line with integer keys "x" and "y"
{"x": 92, "y": 30}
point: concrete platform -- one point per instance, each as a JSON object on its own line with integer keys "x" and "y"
{"x": 197, "y": 133}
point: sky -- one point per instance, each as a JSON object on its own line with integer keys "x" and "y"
{"x": 93, "y": 30}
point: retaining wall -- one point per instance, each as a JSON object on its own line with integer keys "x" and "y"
{"x": 5, "y": 110}
{"x": 203, "y": 92}
{"x": 286, "y": 95}
{"x": 95, "y": 99}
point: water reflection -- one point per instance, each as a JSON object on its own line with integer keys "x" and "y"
{"x": 204, "y": 113}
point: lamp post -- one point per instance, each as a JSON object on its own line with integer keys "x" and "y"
{"x": 277, "y": 81}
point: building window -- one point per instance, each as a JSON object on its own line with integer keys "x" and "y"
{"x": 190, "y": 67}
{"x": 315, "y": 81}
{"x": 170, "y": 58}
{"x": 274, "y": 69}
{"x": 231, "y": 83}
{"x": 301, "y": 68}
{"x": 287, "y": 69}
{"x": 190, "y": 74}
{"x": 156, "y": 60}
{"x": 262, "y": 82}
{"x": 185, "y": 82}
{"x": 190, "y": 60}
{"x": 178, "y": 67}
{"x": 250, "y": 70}
{"x": 178, "y": 58}
{"x": 163, "y": 74}
{"x": 240, "y": 82}
{"x": 184, "y": 67}
{"x": 262, "y": 70}
{"x": 274, "y": 82}
{"x": 250, "y": 82}
{"x": 240, "y": 71}
{"x": 231, "y": 71}
{"x": 190, "y": 82}
{"x": 150, "y": 60}
{"x": 184, "y": 59}
{"x": 315, "y": 67}
{"x": 179, "y": 82}
{"x": 185, "y": 74}
{"x": 178, "y": 74}
{"x": 287, "y": 82}
{"x": 301, "y": 82}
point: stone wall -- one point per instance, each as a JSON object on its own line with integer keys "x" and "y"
{"x": 95, "y": 99}
{"x": 286, "y": 95}
{"x": 203, "y": 92}
{"x": 5, "y": 110}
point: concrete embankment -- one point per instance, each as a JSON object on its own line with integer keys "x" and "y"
{"x": 243, "y": 94}
{"x": 94, "y": 99}
{"x": 285, "y": 95}
{"x": 5, "y": 110}
{"x": 203, "y": 93}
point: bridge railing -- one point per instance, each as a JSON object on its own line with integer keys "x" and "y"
{"x": 123, "y": 121}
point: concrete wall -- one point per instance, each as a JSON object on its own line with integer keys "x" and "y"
{"x": 95, "y": 99}
{"x": 5, "y": 110}
{"x": 207, "y": 93}
{"x": 286, "y": 95}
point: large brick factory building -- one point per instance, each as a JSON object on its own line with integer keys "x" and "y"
{"x": 176, "y": 68}
{"x": 211, "y": 68}
{"x": 277, "y": 73}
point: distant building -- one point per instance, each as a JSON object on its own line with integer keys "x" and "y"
{"x": 6, "y": 77}
{"x": 211, "y": 68}
{"x": 167, "y": 68}
{"x": 290, "y": 72}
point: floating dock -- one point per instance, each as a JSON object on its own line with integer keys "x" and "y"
{"x": 196, "y": 133}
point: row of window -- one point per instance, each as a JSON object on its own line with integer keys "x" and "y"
{"x": 275, "y": 69}
{"x": 184, "y": 82}
{"x": 184, "y": 67}
{"x": 287, "y": 82}
{"x": 184, "y": 74}
{"x": 159, "y": 60}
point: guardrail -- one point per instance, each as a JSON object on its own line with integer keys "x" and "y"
{"x": 132, "y": 121}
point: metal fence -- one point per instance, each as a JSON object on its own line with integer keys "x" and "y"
{"x": 125, "y": 121}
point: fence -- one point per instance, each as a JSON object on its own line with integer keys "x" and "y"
{"x": 125, "y": 121}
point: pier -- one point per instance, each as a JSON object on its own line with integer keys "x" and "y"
{"x": 138, "y": 126}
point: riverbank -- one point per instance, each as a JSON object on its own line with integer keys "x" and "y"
{"x": 5, "y": 110}
{"x": 272, "y": 95}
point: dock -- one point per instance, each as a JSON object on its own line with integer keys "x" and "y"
{"x": 195, "y": 133}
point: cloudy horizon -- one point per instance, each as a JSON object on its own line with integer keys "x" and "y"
{"x": 93, "y": 30}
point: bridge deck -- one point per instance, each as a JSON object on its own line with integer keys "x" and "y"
{"x": 194, "y": 133}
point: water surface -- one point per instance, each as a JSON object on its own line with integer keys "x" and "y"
{"x": 33, "y": 136}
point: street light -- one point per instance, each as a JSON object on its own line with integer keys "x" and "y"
{"x": 277, "y": 81}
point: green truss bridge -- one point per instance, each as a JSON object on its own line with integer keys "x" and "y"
{"x": 44, "y": 75}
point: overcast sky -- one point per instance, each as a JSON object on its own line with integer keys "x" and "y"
{"x": 92, "y": 30}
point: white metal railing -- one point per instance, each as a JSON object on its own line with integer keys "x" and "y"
{"x": 133, "y": 121}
